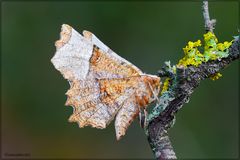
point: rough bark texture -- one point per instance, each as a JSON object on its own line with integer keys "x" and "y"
{"x": 209, "y": 23}
{"x": 182, "y": 86}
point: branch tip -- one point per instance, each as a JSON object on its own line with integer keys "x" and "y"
{"x": 209, "y": 23}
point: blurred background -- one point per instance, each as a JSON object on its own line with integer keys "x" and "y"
{"x": 34, "y": 118}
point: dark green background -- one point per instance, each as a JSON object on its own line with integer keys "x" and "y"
{"x": 34, "y": 118}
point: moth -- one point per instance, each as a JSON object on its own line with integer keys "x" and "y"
{"x": 103, "y": 85}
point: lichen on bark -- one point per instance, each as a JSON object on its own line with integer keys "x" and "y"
{"x": 182, "y": 79}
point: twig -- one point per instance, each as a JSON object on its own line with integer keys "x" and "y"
{"x": 209, "y": 24}
{"x": 186, "y": 80}
{"x": 183, "y": 83}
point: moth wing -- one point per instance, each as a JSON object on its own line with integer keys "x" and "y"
{"x": 125, "y": 116}
{"x": 93, "y": 107}
{"x": 84, "y": 61}
{"x": 73, "y": 54}
{"x": 107, "y": 63}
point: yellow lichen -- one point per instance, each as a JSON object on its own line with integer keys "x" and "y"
{"x": 165, "y": 85}
{"x": 215, "y": 76}
{"x": 212, "y": 51}
{"x": 224, "y": 46}
{"x": 210, "y": 36}
{"x": 210, "y": 47}
{"x": 192, "y": 54}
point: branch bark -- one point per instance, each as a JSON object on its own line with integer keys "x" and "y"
{"x": 209, "y": 24}
{"x": 161, "y": 118}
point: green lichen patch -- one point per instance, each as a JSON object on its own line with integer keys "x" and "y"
{"x": 214, "y": 50}
{"x": 170, "y": 68}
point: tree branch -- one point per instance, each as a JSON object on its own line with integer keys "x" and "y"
{"x": 182, "y": 85}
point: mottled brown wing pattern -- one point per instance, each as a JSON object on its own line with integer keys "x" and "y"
{"x": 104, "y": 65}
{"x": 102, "y": 84}
{"x": 100, "y": 107}
{"x": 125, "y": 116}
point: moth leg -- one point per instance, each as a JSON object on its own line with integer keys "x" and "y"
{"x": 141, "y": 117}
{"x": 145, "y": 117}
